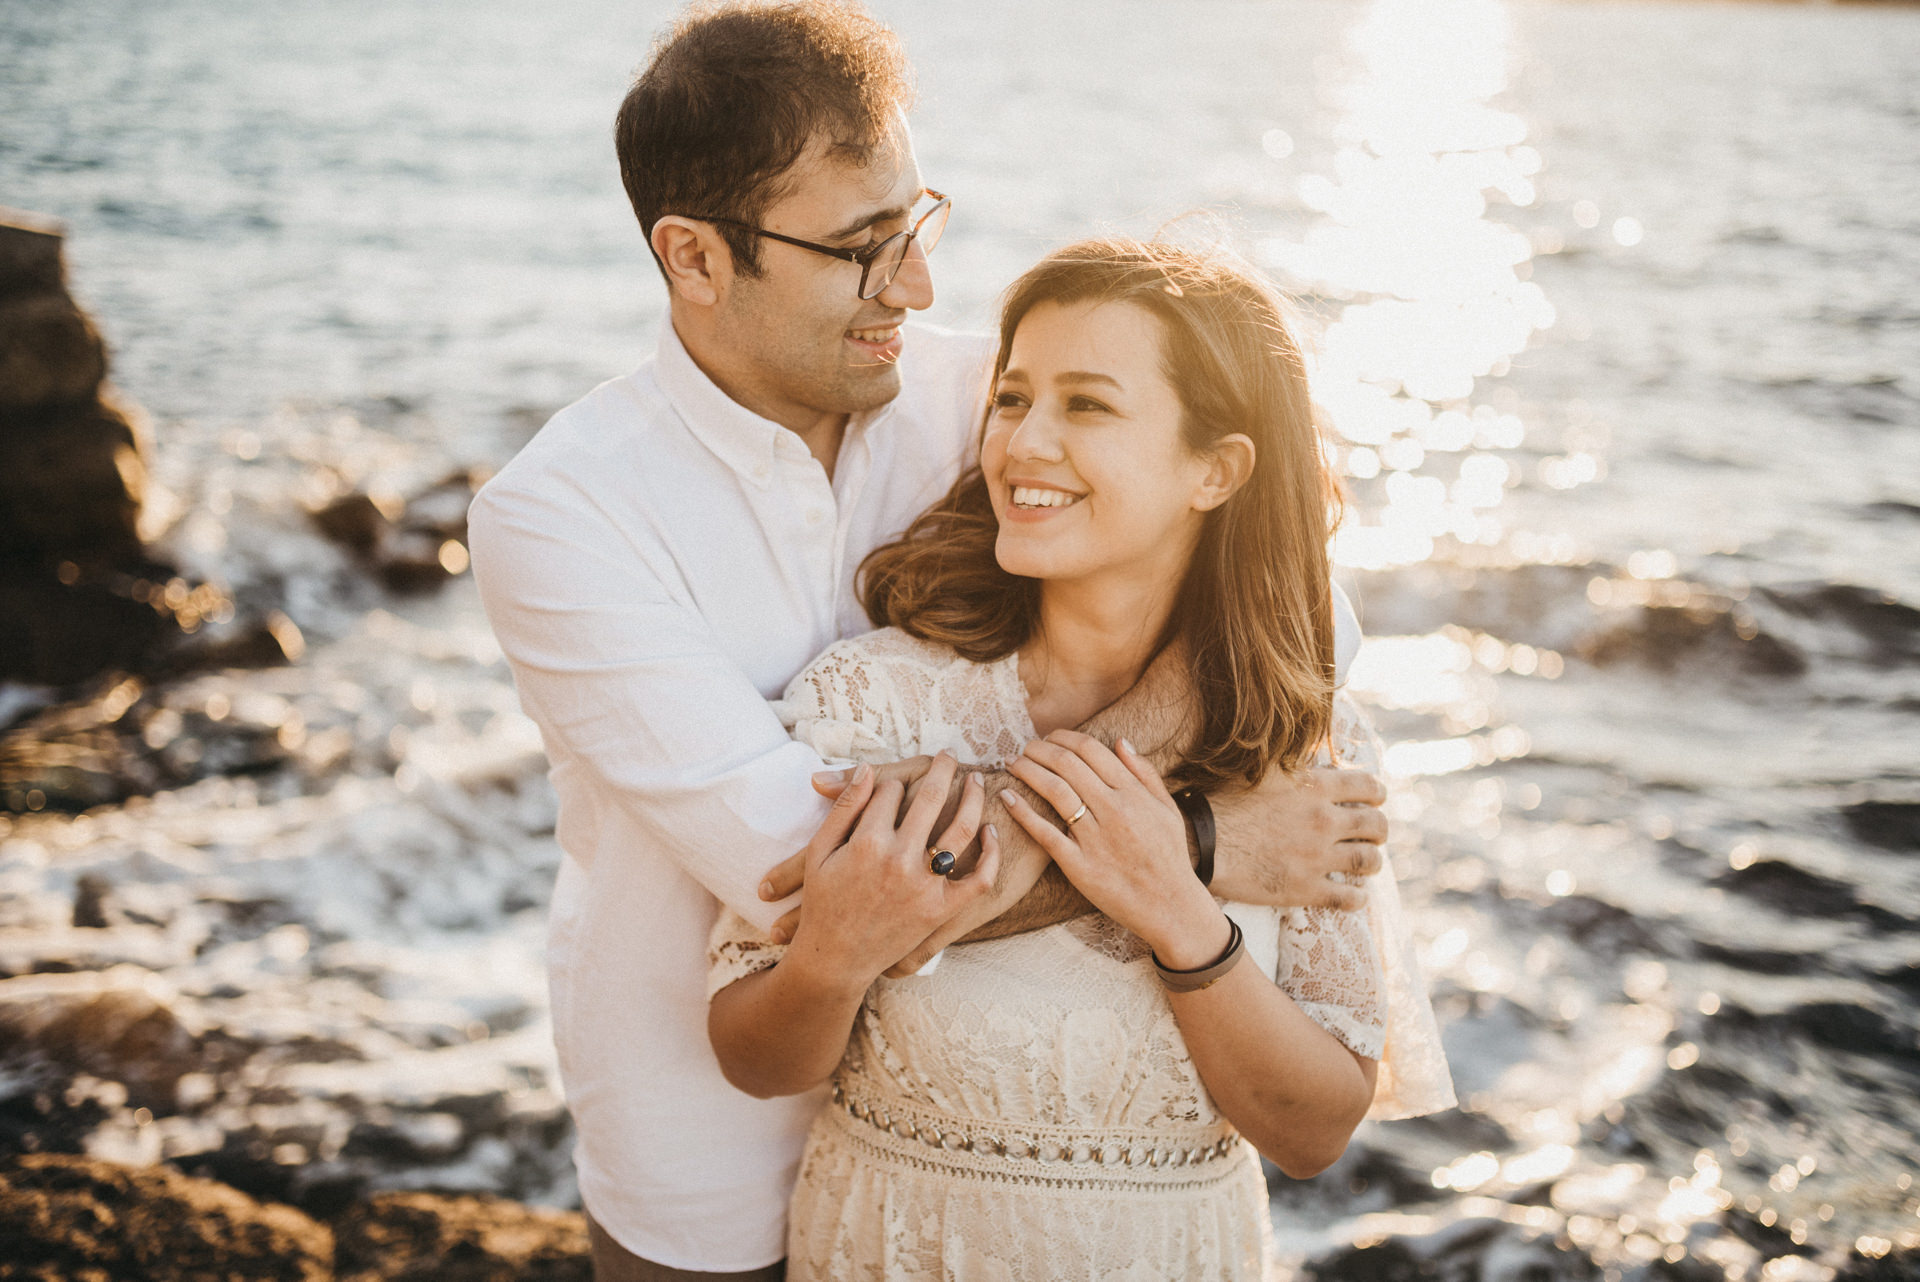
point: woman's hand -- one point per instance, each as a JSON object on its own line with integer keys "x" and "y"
{"x": 874, "y": 899}
{"x": 1128, "y": 853}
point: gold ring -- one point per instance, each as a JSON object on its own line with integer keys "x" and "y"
{"x": 940, "y": 862}
{"x": 1077, "y": 815}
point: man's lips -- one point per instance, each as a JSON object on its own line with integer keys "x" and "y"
{"x": 880, "y": 344}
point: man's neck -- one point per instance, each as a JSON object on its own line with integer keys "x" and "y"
{"x": 821, "y": 431}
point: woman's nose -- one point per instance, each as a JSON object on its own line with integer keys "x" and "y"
{"x": 1036, "y": 439}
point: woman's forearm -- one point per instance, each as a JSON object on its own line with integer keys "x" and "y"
{"x": 1287, "y": 1084}
{"x": 782, "y": 1031}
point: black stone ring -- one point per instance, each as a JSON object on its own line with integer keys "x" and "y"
{"x": 940, "y": 861}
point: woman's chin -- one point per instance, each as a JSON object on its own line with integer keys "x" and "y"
{"x": 1022, "y": 561}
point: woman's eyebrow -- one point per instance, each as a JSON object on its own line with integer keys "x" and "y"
{"x": 1087, "y": 376}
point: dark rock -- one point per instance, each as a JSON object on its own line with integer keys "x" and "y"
{"x": 409, "y": 1236}
{"x": 412, "y": 545}
{"x": 1663, "y": 637}
{"x": 1790, "y": 889}
{"x": 1847, "y": 1027}
{"x": 59, "y": 634}
{"x": 90, "y": 902}
{"x": 64, "y": 1217}
{"x": 78, "y": 593}
{"x": 268, "y": 642}
{"x": 1896, "y": 1266}
{"x": 1463, "y": 1251}
{"x": 71, "y": 482}
{"x": 1891, "y": 825}
{"x": 1596, "y": 924}
{"x": 122, "y": 740}
{"x": 1890, "y": 627}
{"x": 355, "y": 522}
{"x": 31, "y": 261}
{"x": 50, "y": 352}
{"x": 105, "y": 1024}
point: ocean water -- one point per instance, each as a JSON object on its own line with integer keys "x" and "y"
{"x": 1614, "y": 328}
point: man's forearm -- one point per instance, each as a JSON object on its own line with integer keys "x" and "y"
{"x": 1158, "y": 717}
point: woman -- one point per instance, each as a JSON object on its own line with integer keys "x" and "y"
{"x": 1075, "y": 1102}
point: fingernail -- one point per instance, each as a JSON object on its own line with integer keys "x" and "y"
{"x": 1008, "y": 797}
{"x": 994, "y": 833}
{"x": 1126, "y": 745}
{"x": 830, "y": 776}
{"x": 766, "y": 890}
{"x": 778, "y": 935}
{"x": 862, "y": 773}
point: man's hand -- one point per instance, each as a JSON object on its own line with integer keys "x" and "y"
{"x": 1280, "y": 843}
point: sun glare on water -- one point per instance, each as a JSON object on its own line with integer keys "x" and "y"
{"x": 1434, "y": 292}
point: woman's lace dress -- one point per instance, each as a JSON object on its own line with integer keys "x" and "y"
{"x": 1027, "y": 1108}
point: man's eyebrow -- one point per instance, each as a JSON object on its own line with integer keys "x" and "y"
{"x": 892, "y": 213}
{"x": 860, "y": 224}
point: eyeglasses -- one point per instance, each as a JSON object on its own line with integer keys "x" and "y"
{"x": 880, "y": 263}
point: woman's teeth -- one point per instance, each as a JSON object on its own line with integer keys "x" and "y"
{"x": 874, "y": 335}
{"x": 1024, "y": 496}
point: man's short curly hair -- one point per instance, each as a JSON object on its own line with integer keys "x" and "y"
{"x": 734, "y": 94}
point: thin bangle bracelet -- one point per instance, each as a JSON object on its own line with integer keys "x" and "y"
{"x": 1192, "y": 981}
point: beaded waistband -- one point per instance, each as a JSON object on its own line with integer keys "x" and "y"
{"x": 1054, "y": 1151}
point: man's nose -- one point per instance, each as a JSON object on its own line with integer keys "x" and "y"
{"x": 912, "y": 286}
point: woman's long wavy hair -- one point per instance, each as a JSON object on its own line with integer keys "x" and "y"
{"x": 1254, "y": 609}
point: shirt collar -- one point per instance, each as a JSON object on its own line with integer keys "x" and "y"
{"x": 742, "y": 440}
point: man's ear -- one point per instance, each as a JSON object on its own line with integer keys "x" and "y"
{"x": 698, "y": 263}
{"x": 1229, "y": 464}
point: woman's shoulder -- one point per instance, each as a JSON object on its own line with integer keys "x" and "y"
{"x": 893, "y": 649}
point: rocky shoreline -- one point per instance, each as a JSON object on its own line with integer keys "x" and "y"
{"x": 65, "y": 1218}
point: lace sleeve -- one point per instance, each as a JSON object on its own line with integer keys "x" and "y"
{"x": 1414, "y": 1078}
{"x": 736, "y": 949}
{"x": 840, "y": 706}
{"x": 844, "y": 704}
{"x": 1330, "y": 967}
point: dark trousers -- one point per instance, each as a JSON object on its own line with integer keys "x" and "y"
{"x": 614, "y": 1263}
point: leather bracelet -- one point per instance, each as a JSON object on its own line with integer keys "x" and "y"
{"x": 1192, "y": 981}
{"x": 1199, "y": 812}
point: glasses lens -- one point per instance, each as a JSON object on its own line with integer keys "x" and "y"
{"x": 892, "y": 255}
{"x": 886, "y": 263}
{"x": 932, "y": 223}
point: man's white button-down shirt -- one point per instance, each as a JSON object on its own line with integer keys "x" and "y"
{"x": 658, "y": 563}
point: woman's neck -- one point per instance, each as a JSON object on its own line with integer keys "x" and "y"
{"x": 1094, "y": 640}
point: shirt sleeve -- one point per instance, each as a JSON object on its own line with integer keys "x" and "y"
{"x": 844, "y": 705}
{"x": 630, "y": 681}
{"x": 1413, "y": 1077}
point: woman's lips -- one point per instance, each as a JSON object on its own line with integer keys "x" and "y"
{"x": 1028, "y": 503}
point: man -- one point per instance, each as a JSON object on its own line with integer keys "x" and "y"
{"x": 670, "y": 550}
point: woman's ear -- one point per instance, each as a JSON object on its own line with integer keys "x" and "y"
{"x": 697, "y": 261}
{"x": 1229, "y": 464}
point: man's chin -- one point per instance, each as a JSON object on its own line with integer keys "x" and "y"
{"x": 870, "y": 387}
